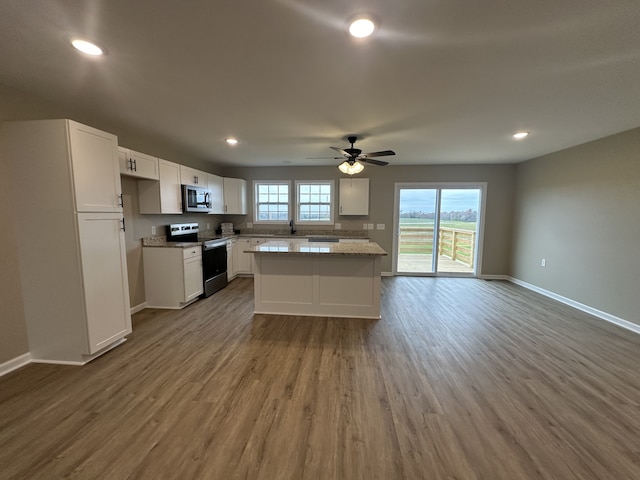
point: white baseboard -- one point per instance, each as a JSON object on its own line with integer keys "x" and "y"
{"x": 57, "y": 362}
{"x": 387, "y": 274}
{"x": 15, "y": 363}
{"x": 579, "y": 306}
{"x": 495, "y": 277}
{"x": 138, "y": 308}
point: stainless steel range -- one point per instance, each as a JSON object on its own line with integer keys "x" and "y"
{"x": 214, "y": 265}
{"x": 214, "y": 255}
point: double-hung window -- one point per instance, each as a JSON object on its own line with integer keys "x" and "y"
{"x": 314, "y": 202}
{"x": 272, "y": 202}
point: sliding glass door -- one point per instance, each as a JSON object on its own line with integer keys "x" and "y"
{"x": 437, "y": 228}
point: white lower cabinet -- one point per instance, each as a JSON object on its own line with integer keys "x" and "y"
{"x": 231, "y": 267}
{"x": 242, "y": 260}
{"x": 172, "y": 276}
{"x": 103, "y": 256}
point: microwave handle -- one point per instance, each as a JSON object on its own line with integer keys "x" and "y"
{"x": 207, "y": 199}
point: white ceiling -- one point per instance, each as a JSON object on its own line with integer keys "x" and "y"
{"x": 442, "y": 81}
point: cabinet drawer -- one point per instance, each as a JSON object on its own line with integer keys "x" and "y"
{"x": 191, "y": 252}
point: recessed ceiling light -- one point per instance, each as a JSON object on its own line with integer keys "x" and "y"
{"x": 520, "y": 135}
{"x": 361, "y": 27}
{"x": 231, "y": 140}
{"x": 87, "y": 47}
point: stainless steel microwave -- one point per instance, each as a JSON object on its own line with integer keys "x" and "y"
{"x": 195, "y": 199}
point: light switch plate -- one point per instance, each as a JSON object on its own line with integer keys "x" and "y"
{"x": 249, "y": 224}
{"x": 337, "y": 226}
{"x": 370, "y": 227}
{"x": 380, "y": 226}
{"x": 153, "y": 229}
{"x": 365, "y": 226}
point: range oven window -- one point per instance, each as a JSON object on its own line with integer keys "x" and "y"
{"x": 214, "y": 261}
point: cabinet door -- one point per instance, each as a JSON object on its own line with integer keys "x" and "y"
{"x": 170, "y": 191}
{"x": 216, "y": 188}
{"x": 235, "y": 196}
{"x": 96, "y": 174}
{"x": 242, "y": 260}
{"x": 104, "y": 271}
{"x": 124, "y": 161}
{"x": 231, "y": 269}
{"x": 354, "y": 196}
{"x": 191, "y": 176}
{"x": 136, "y": 164}
{"x": 193, "y": 282}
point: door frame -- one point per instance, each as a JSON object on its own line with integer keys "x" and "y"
{"x": 477, "y": 263}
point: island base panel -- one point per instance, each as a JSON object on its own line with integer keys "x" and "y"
{"x": 317, "y": 286}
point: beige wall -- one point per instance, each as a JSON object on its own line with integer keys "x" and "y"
{"x": 499, "y": 214}
{"x": 579, "y": 209}
{"x": 13, "y": 330}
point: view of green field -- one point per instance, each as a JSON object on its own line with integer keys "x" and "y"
{"x": 416, "y": 234}
{"x": 444, "y": 224}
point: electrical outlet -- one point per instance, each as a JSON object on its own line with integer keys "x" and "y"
{"x": 337, "y": 226}
{"x": 153, "y": 229}
{"x": 208, "y": 226}
{"x": 380, "y": 226}
{"x": 543, "y": 262}
{"x": 249, "y": 224}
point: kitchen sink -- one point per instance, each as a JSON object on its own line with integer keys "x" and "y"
{"x": 324, "y": 239}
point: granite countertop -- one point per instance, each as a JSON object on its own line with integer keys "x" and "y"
{"x": 166, "y": 244}
{"x": 360, "y": 234}
{"x": 317, "y": 248}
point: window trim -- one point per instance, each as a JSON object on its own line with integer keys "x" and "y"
{"x": 332, "y": 202}
{"x": 256, "y": 183}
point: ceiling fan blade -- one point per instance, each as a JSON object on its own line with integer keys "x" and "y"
{"x": 373, "y": 162}
{"x": 383, "y": 153}
{"x": 340, "y": 151}
{"x": 324, "y": 158}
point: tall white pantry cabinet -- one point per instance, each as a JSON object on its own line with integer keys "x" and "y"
{"x": 69, "y": 225}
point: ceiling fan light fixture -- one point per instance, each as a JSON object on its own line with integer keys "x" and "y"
{"x": 361, "y": 27}
{"x": 87, "y": 47}
{"x": 231, "y": 140}
{"x": 351, "y": 168}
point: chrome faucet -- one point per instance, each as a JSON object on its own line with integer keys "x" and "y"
{"x": 293, "y": 228}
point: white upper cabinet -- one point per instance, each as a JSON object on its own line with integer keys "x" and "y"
{"x": 96, "y": 176}
{"x": 216, "y": 187}
{"x": 354, "y": 196}
{"x": 162, "y": 196}
{"x": 191, "y": 176}
{"x": 136, "y": 164}
{"x": 235, "y": 196}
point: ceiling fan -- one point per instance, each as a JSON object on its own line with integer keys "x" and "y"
{"x": 353, "y": 157}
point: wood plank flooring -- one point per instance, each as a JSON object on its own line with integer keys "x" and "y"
{"x": 460, "y": 379}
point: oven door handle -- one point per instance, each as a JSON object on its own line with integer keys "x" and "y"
{"x": 212, "y": 247}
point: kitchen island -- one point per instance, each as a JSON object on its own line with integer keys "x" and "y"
{"x": 325, "y": 279}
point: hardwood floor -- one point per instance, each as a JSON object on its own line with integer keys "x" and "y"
{"x": 461, "y": 379}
